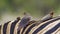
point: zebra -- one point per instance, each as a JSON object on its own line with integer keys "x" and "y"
{"x": 50, "y": 26}
{"x": 4, "y": 28}
{"x": 10, "y": 26}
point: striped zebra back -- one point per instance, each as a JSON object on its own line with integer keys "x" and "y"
{"x": 47, "y": 27}
{"x": 51, "y": 26}
{"x": 9, "y": 27}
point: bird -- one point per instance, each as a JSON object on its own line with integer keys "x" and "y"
{"x": 45, "y": 18}
{"x": 24, "y": 21}
{"x": 48, "y": 16}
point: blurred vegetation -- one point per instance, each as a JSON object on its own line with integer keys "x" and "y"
{"x": 37, "y": 8}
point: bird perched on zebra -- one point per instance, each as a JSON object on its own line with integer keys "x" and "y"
{"x": 51, "y": 26}
{"x": 24, "y": 21}
{"x": 46, "y": 17}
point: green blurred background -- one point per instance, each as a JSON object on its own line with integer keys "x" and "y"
{"x": 10, "y": 9}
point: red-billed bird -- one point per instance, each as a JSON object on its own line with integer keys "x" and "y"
{"x": 46, "y": 17}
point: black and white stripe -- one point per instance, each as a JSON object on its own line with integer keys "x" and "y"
{"x": 47, "y": 27}
{"x": 8, "y": 28}
{"x": 51, "y": 26}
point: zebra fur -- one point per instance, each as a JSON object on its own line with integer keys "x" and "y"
{"x": 43, "y": 28}
{"x": 51, "y": 26}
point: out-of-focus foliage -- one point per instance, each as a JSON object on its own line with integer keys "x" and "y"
{"x": 37, "y": 8}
